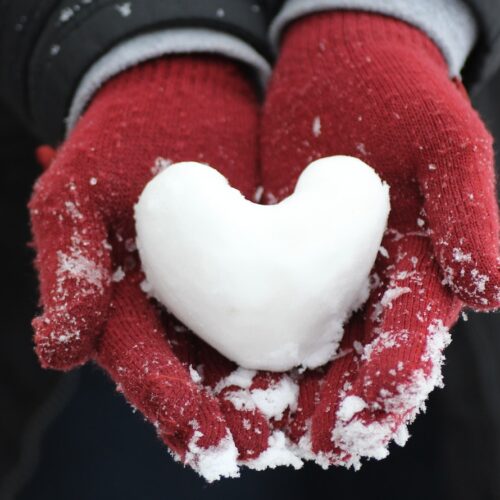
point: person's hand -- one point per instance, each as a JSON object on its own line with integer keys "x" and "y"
{"x": 373, "y": 87}
{"x": 198, "y": 108}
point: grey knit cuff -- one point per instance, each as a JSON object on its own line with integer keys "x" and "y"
{"x": 151, "y": 45}
{"x": 449, "y": 23}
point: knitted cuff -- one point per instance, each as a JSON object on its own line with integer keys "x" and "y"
{"x": 149, "y": 46}
{"x": 449, "y": 23}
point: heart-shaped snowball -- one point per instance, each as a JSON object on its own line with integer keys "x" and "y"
{"x": 270, "y": 287}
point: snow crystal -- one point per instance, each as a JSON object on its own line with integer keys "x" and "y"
{"x": 93, "y": 181}
{"x": 479, "y": 280}
{"x": 272, "y": 401}
{"x": 340, "y": 354}
{"x": 160, "y": 165}
{"x": 358, "y": 347}
{"x": 303, "y": 450}
{"x": 55, "y": 49}
{"x": 220, "y": 461}
{"x": 277, "y": 454}
{"x": 361, "y": 148}
{"x": 362, "y": 440}
{"x": 259, "y": 192}
{"x": 79, "y": 267}
{"x": 67, "y": 337}
{"x": 215, "y": 462}
{"x": 393, "y": 294}
{"x": 277, "y": 398}
{"x": 401, "y": 436}
{"x": 349, "y": 407}
{"x": 73, "y": 211}
{"x": 195, "y": 376}
{"x": 180, "y": 328}
{"x": 241, "y": 400}
{"x": 145, "y": 286}
{"x": 241, "y": 377}
{"x": 220, "y": 13}
{"x": 460, "y": 256}
{"x": 271, "y": 199}
{"x": 413, "y": 394}
{"x": 384, "y": 340}
{"x": 389, "y": 296}
{"x": 118, "y": 275}
{"x": 66, "y": 14}
{"x": 125, "y": 9}
{"x": 383, "y": 251}
{"x": 316, "y": 126}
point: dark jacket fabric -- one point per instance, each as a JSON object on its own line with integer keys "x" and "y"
{"x": 485, "y": 59}
{"x": 47, "y": 45}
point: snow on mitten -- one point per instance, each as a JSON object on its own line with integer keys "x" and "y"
{"x": 199, "y": 108}
{"x": 373, "y": 87}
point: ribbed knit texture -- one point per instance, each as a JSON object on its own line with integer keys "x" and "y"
{"x": 451, "y": 24}
{"x": 376, "y": 88}
{"x": 188, "y": 108}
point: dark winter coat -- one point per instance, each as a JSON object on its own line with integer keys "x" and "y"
{"x": 38, "y": 86}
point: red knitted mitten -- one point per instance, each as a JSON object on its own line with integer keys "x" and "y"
{"x": 197, "y": 108}
{"x": 373, "y": 87}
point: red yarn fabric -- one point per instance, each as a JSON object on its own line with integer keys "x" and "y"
{"x": 347, "y": 83}
{"x": 373, "y": 87}
{"x": 197, "y": 108}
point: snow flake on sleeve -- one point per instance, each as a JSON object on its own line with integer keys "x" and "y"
{"x": 66, "y": 14}
{"x": 124, "y": 9}
{"x": 55, "y": 49}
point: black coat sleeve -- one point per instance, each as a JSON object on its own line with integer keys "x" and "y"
{"x": 484, "y": 61}
{"x": 46, "y": 46}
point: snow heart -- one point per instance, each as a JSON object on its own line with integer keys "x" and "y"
{"x": 270, "y": 287}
